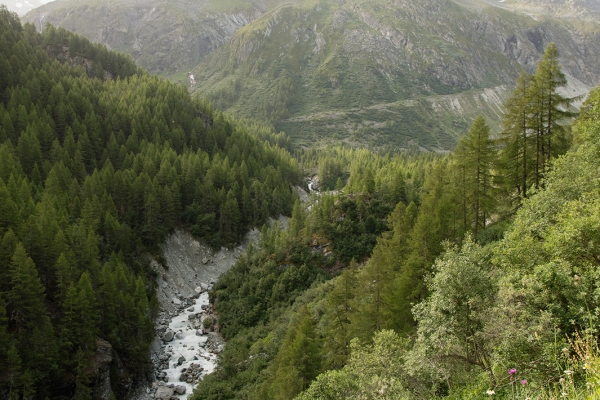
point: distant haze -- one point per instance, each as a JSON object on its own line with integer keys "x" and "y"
{"x": 22, "y": 7}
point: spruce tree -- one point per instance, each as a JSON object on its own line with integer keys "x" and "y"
{"x": 35, "y": 343}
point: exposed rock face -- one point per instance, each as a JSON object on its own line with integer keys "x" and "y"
{"x": 389, "y": 72}
{"x": 102, "y": 361}
{"x": 161, "y": 37}
{"x": 184, "y": 351}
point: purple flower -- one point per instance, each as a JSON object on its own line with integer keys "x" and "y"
{"x": 524, "y": 382}
{"x": 512, "y": 371}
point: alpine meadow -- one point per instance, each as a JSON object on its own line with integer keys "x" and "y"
{"x": 311, "y": 200}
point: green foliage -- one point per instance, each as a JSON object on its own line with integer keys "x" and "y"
{"x": 451, "y": 335}
{"x": 477, "y": 293}
{"x": 98, "y": 162}
{"x": 373, "y": 372}
{"x": 297, "y": 362}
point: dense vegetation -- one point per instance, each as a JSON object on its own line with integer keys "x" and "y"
{"x": 483, "y": 282}
{"x": 410, "y": 276}
{"x": 98, "y": 161}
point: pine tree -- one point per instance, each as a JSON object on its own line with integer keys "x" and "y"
{"x": 36, "y": 343}
{"x": 298, "y": 361}
{"x": 340, "y": 308}
{"x": 515, "y": 154}
{"x": 475, "y": 157}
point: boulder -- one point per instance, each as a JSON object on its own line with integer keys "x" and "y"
{"x": 204, "y": 260}
{"x": 179, "y": 335}
{"x": 163, "y": 393}
{"x": 191, "y": 309}
{"x": 168, "y": 336}
{"x": 180, "y": 360}
{"x": 176, "y": 301}
{"x": 180, "y": 389}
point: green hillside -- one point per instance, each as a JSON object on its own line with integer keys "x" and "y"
{"x": 468, "y": 276}
{"x": 98, "y": 162}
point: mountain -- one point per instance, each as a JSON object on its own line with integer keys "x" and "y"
{"x": 162, "y": 37}
{"x": 387, "y": 73}
{"x": 23, "y": 7}
{"x": 397, "y": 74}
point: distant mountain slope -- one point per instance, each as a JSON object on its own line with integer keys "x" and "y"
{"x": 394, "y": 73}
{"x": 161, "y": 36}
{"x": 21, "y": 7}
{"x": 387, "y": 73}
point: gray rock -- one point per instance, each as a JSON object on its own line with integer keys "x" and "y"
{"x": 191, "y": 309}
{"x": 180, "y": 360}
{"x": 176, "y": 301}
{"x": 102, "y": 362}
{"x": 163, "y": 393}
{"x": 204, "y": 260}
{"x": 199, "y": 332}
{"x": 180, "y": 389}
{"x": 168, "y": 336}
{"x": 179, "y": 335}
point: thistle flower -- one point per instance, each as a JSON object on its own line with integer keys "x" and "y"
{"x": 524, "y": 382}
{"x": 512, "y": 371}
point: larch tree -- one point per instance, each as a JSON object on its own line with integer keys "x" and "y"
{"x": 475, "y": 157}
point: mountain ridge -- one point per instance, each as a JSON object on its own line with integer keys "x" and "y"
{"x": 284, "y": 62}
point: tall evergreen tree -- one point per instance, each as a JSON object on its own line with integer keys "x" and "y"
{"x": 475, "y": 157}
{"x": 340, "y": 307}
{"x": 36, "y": 343}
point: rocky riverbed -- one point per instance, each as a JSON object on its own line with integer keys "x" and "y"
{"x": 187, "y": 329}
{"x": 189, "y": 346}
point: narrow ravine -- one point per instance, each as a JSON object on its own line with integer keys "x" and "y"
{"x": 187, "y": 338}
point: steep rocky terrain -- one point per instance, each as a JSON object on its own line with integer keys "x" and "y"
{"x": 382, "y": 73}
{"x": 387, "y": 72}
{"x": 163, "y": 37}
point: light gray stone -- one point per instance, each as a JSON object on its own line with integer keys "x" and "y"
{"x": 168, "y": 336}
{"x": 163, "y": 393}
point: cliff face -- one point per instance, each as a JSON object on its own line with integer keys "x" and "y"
{"x": 371, "y": 72}
{"x": 162, "y": 37}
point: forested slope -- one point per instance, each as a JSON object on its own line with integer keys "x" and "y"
{"x": 98, "y": 161}
{"x": 480, "y": 279}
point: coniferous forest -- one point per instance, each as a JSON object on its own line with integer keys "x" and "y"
{"x": 98, "y": 162}
{"x": 409, "y": 275}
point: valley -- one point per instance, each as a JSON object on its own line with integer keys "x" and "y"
{"x": 289, "y": 63}
{"x": 312, "y": 200}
